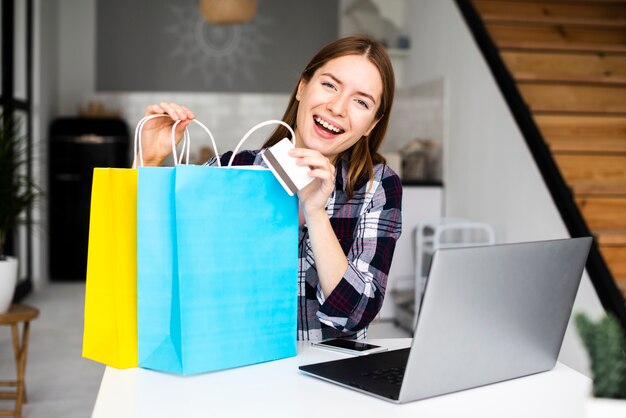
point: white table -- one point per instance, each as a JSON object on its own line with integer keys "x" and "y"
{"x": 279, "y": 389}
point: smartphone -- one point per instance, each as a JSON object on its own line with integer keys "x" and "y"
{"x": 349, "y": 346}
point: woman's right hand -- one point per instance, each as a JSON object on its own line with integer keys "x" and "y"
{"x": 156, "y": 135}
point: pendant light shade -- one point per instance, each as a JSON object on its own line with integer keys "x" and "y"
{"x": 223, "y": 12}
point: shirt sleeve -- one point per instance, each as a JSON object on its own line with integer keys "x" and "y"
{"x": 358, "y": 297}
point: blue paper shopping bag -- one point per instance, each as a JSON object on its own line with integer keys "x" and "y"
{"x": 217, "y": 268}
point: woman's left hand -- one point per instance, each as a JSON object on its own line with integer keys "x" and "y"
{"x": 314, "y": 196}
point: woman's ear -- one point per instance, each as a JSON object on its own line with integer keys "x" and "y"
{"x": 301, "y": 86}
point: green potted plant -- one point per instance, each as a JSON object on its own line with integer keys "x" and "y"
{"x": 605, "y": 342}
{"x": 17, "y": 193}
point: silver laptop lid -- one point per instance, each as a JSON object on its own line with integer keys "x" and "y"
{"x": 493, "y": 313}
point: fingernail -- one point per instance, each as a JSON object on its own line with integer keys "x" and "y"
{"x": 292, "y": 152}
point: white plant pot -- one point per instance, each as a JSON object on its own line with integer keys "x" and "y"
{"x": 8, "y": 279}
{"x": 605, "y": 408}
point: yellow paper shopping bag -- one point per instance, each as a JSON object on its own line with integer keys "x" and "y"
{"x": 110, "y": 330}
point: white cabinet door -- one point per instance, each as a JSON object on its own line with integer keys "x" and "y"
{"x": 419, "y": 203}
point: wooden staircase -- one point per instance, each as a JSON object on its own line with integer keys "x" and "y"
{"x": 568, "y": 60}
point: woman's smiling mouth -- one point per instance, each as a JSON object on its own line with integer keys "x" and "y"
{"x": 327, "y": 127}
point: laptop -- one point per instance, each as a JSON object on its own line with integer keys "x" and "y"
{"x": 488, "y": 314}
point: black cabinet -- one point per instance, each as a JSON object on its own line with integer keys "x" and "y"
{"x": 77, "y": 145}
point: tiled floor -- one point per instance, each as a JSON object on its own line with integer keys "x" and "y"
{"x": 60, "y": 383}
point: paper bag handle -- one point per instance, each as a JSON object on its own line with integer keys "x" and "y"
{"x": 186, "y": 145}
{"x": 186, "y": 141}
{"x": 219, "y": 164}
{"x": 137, "y": 143}
{"x": 254, "y": 128}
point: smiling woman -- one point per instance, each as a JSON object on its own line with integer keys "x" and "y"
{"x": 337, "y": 106}
{"x": 350, "y": 214}
{"x": 354, "y": 68}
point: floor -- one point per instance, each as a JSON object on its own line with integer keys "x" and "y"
{"x": 60, "y": 383}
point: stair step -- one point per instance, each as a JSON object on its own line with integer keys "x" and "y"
{"x": 566, "y": 133}
{"x": 574, "y": 98}
{"x": 615, "y": 257}
{"x": 556, "y": 9}
{"x": 560, "y": 47}
{"x": 569, "y": 79}
{"x": 560, "y": 37}
{"x": 611, "y": 237}
{"x": 554, "y": 35}
{"x": 612, "y": 245}
{"x": 603, "y": 171}
{"x": 621, "y": 284}
{"x": 603, "y": 212}
{"x": 601, "y": 190}
{"x": 538, "y": 66}
{"x": 617, "y": 3}
{"x": 570, "y": 22}
{"x": 587, "y": 146}
{"x": 580, "y": 113}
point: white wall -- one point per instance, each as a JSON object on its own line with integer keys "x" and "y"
{"x": 488, "y": 173}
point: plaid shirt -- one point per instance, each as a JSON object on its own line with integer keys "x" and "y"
{"x": 367, "y": 227}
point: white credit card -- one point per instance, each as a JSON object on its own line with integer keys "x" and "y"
{"x": 291, "y": 176}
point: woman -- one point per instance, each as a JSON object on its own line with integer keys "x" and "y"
{"x": 350, "y": 214}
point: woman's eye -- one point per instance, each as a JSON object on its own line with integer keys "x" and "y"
{"x": 362, "y": 103}
{"x": 329, "y": 85}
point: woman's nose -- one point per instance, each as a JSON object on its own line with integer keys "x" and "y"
{"x": 337, "y": 105}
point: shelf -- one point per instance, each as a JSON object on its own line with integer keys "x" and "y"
{"x": 398, "y": 52}
{"x": 423, "y": 183}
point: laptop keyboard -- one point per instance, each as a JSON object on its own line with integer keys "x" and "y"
{"x": 393, "y": 375}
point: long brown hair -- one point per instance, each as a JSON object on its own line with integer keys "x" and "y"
{"x": 363, "y": 155}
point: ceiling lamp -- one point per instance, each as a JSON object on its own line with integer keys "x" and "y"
{"x": 224, "y": 12}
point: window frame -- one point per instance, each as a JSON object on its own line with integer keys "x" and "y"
{"x": 10, "y": 105}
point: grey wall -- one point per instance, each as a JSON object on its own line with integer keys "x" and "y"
{"x": 76, "y": 44}
{"x": 163, "y": 45}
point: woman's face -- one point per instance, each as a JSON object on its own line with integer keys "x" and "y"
{"x": 338, "y": 105}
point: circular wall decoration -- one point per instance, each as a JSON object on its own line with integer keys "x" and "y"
{"x": 220, "y": 53}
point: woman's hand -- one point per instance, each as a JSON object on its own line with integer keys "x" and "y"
{"x": 314, "y": 196}
{"x": 156, "y": 136}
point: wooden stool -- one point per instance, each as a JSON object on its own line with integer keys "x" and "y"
{"x": 15, "y": 315}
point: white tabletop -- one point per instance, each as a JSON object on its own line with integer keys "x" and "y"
{"x": 279, "y": 389}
